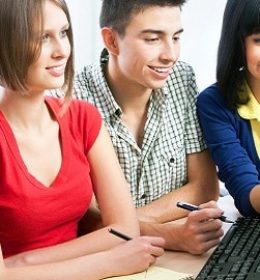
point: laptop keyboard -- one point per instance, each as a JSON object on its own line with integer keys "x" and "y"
{"x": 238, "y": 254}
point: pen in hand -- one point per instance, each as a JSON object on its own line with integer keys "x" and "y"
{"x": 123, "y": 236}
{"x": 119, "y": 234}
{"x": 191, "y": 207}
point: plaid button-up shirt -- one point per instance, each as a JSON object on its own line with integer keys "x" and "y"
{"x": 171, "y": 131}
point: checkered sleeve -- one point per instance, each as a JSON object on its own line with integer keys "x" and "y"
{"x": 194, "y": 141}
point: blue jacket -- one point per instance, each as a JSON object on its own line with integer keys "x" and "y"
{"x": 230, "y": 141}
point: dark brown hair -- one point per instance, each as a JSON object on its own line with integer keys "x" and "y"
{"x": 117, "y": 14}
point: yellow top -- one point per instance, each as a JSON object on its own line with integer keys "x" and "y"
{"x": 251, "y": 112}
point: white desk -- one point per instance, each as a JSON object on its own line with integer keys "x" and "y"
{"x": 192, "y": 264}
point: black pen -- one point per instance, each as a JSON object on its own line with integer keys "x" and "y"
{"x": 123, "y": 236}
{"x": 191, "y": 207}
{"x": 119, "y": 234}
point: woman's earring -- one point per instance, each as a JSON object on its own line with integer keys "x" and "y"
{"x": 241, "y": 69}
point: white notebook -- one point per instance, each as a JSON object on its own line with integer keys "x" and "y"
{"x": 155, "y": 273}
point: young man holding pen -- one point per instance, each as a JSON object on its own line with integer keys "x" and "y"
{"x": 147, "y": 100}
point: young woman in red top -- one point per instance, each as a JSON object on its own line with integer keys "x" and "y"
{"x": 44, "y": 142}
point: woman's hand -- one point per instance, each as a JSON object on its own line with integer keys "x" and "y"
{"x": 136, "y": 255}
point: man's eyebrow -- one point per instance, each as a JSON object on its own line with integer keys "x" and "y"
{"x": 154, "y": 31}
{"x": 179, "y": 31}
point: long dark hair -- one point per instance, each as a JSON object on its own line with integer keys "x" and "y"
{"x": 241, "y": 19}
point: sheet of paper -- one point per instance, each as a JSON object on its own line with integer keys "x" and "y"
{"x": 155, "y": 273}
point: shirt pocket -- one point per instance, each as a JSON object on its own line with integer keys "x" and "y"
{"x": 166, "y": 168}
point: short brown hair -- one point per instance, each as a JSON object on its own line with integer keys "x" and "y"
{"x": 19, "y": 47}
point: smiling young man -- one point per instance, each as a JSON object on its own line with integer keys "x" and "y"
{"x": 147, "y": 100}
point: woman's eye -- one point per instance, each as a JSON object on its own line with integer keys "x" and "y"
{"x": 64, "y": 33}
{"x": 257, "y": 40}
{"x": 45, "y": 37}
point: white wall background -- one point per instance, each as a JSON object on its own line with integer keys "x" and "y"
{"x": 201, "y": 21}
{"x": 85, "y": 23}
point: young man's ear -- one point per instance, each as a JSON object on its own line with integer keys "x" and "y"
{"x": 110, "y": 40}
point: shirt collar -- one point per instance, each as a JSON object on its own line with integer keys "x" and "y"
{"x": 250, "y": 110}
{"x": 110, "y": 106}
